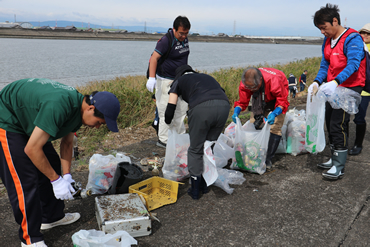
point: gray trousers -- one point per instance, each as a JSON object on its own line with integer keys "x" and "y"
{"x": 206, "y": 122}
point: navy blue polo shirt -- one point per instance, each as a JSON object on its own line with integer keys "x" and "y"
{"x": 303, "y": 78}
{"x": 178, "y": 56}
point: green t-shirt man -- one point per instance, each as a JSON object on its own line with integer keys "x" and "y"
{"x": 53, "y": 107}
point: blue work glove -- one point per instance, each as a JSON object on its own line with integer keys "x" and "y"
{"x": 271, "y": 117}
{"x": 237, "y": 111}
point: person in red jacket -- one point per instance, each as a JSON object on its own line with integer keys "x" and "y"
{"x": 343, "y": 64}
{"x": 268, "y": 88}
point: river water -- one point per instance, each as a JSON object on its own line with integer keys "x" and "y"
{"x": 75, "y": 62}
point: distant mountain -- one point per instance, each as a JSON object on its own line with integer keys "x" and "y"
{"x": 80, "y": 24}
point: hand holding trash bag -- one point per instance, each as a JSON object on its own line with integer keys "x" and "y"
{"x": 271, "y": 117}
{"x": 314, "y": 87}
{"x": 237, "y": 111}
{"x": 150, "y": 85}
{"x": 329, "y": 87}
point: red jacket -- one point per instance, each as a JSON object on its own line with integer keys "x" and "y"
{"x": 276, "y": 87}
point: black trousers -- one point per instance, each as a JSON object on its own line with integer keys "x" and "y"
{"x": 337, "y": 124}
{"x": 206, "y": 122}
{"x": 30, "y": 191}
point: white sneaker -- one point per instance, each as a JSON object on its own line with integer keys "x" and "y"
{"x": 38, "y": 244}
{"x": 69, "y": 218}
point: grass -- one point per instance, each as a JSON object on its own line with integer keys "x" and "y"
{"x": 137, "y": 106}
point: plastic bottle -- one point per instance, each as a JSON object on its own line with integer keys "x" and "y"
{"x": 289, "y": 145}
{"x": 85, "y": 193}
{"x": 77, "y": 187}
{"x": 155, "y": 171}
{"x": 75, "y": 147}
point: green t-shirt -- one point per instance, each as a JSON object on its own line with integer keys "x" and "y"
{"x": 49, "y": 105}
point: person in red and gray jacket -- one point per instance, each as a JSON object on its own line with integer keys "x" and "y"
{"x": 268, "y": 88}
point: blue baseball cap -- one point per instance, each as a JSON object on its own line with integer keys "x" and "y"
{"x": 108, "y": 104}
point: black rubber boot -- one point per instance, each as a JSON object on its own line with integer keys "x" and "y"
{"x": 271, "y": 150}
{"x": 328, "y": 164}
{"x": 337, "y": 170}
{"x": 203, "y": 186}
{"x": 193, "y": 191}
{"x": 360, "y": 134}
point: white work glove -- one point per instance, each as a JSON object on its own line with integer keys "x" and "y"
{"x": 329, "y": 88}
{"x": 150, "y": 84}
{"x": 313, "y": 88}
{"x": 68, "y": 177}
{"x": 62, "y": 189}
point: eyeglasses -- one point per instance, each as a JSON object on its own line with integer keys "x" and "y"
{"x": 251, "y": 88}
{"x": 183, "y": 34}
{"x": 363, "y": 33}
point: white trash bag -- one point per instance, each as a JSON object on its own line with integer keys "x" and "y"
{"x": 175, "y": 165}
{"x": 227, "y": 177}
{"x": 251, "y": 147}
{"x": 223, "y": 151}
{"x": 209, "y": 167}
{"x": 102, "y": 170}
{"x": 230, "y": 131}
{"x": 315, "y": 119}
{"x": 94, "y": 238}
{"x": 296, "y": 130}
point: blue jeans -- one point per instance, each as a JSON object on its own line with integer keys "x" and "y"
{"x": 156, "y": 115}
{"x": 301, "y": 87}
{"x": 292, "y": 90}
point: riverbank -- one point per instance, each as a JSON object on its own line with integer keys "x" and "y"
{"x": 84, "y": 35}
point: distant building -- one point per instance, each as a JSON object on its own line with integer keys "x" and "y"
{"x": 15, "y": 24}
{"x": 71, "y": 28}
{"x": 45, "y": 28}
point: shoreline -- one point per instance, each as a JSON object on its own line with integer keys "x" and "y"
{"x": 83, "y": 35}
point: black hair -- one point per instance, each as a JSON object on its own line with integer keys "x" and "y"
{"x": 326, "y": 14}
{"x": 97, "y": 113}
{"x": 182, "y": 70}
{"x": 182, "y": 21}
{"x": 254, "y": 77}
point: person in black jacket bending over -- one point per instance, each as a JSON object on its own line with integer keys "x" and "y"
{"x": 208, "y": 111}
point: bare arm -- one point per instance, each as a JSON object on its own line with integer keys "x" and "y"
{"x": 153, "y": 63}
{"x": 36, "y": 154}
{"x": 173, "y": 98}
{"x": 66, "y": 146}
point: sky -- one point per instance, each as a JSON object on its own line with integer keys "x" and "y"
{"x": 245, "y": 17}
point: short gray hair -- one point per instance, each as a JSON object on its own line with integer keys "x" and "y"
{"x": 253, "y": 75}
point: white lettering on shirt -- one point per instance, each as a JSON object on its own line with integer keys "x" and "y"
{"x": 268, "y": 71}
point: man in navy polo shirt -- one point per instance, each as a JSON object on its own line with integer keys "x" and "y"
{"x": 161, "y": 75}
{"x": 302, "y": 81}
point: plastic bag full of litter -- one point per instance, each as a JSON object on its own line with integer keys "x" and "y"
{"x": 346, "y": 99}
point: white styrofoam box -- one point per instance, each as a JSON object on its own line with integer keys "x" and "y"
{"x": 123, "y": 212}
